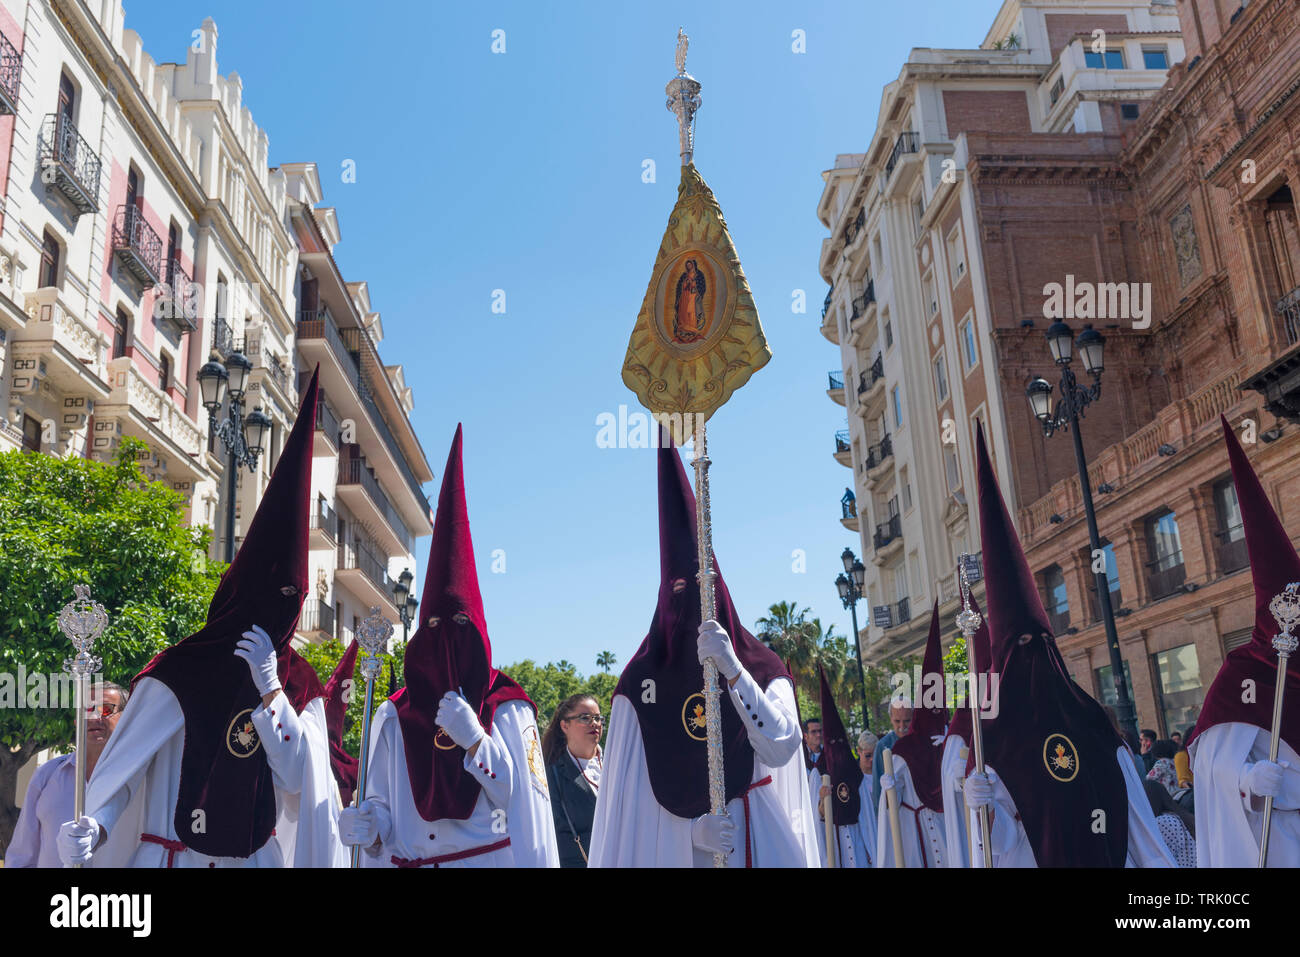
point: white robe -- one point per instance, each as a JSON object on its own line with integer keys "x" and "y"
{"x": 929, "y": 847}
{"x": 631, "y": 828}
{"x": 856, "y": 842}
{"x": 1228, "y": 820}
{"x": 512, "y": 804}
{"x": 956, "y": 826}
{"x": 135, "y": 785}
{"x": 1011, "y": 847}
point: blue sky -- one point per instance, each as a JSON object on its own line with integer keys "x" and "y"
{"x": 522, "y": 171}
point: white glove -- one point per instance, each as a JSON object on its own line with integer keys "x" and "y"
{"x": 937, "y": 740}
{"x": 256, "y": 648}
{"x": 77, "y": 840}
{"x": 979, "y": 789}
{"x": 1264, "y": 778}
{"x": 457, "y": 718}
{"x": 887, "y": 783}
{"x": 714, "y": 833}
{"x": 359, "y": 825}
{"x": 715, "y": 643}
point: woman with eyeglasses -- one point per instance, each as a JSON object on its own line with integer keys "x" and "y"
{"x": 571, "y": 749}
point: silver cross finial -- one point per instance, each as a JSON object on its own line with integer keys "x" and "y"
{"x": 683, "y": 100}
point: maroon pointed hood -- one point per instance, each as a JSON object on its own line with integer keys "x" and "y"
{"x": 264, "y": 586}
{"x": 981, "y": 654}
{"x": 1052, "y": 744}
{"x": 841, "y": 765}
{"x": 1273, "y": 565}
{"x": 338, "y": 691}
{"x": 672, "y": 729}
{"x": 923, "y": 757}
{"x": 450, "y": 651}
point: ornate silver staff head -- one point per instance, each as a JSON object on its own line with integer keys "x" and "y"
{"x": 373, "y": 634}
{"x": 684, "y": 99}
{"x": 968, "y": 619}
{"x": 1285, "y": 608}
{"x": 82, "y": 621}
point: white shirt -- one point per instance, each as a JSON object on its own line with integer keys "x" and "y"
{"x": 590, "y": 767}
{"x": 48, "y": 805}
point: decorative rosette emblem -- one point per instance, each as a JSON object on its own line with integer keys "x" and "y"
{"x": 1061, "y": 757}
{"x": 842, "y": 792}
{"x": 693, "y": 719}
{"x": 241, "y": 737}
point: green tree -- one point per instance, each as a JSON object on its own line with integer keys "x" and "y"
{"x": 324, "y": 658}
{"x": 606, "y": 660}
{"x": 548, "y": 685}
{"x": 74, "y": 521}
{"x": 806, "y": 646}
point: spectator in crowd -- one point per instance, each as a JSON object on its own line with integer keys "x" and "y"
{"x": 1148, "y": 742}
{"x": 812, "y": 741}
{"x": 900, "y": 716}
{"x": 867, "y": 743}
{"x": 1165, "y": 772}
{"x": 1177, "y": 739}
{"x": 1177, "y": 825}
{"x": 571, "y": 750}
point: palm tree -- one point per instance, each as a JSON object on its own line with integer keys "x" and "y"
{"x": 605, "y": 660}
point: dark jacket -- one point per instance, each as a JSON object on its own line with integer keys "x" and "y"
{"x": 572, "y": 792}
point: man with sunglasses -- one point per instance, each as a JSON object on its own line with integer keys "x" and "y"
{"x": 49, "y": 800}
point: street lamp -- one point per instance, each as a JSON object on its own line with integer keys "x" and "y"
{"x": 244, "y": 436}
{"x": 404, "y": 600}
{"x": 850, "y": 584}
{"x": 1074, "y": 399}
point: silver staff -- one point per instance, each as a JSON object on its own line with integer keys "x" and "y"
{"x": 82, "y": 621}
{"x": 969, "y": 621}
{"x": 1285, "y": 608}
{"x": 372, "y": 635}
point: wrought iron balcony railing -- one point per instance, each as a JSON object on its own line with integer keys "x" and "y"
{"x": 11, "y": 76}
{"x": 327, "y": 420}
{"x": 354, "y": 471}
{"x": 1232, "y": 550}
{"x": 860, "y": 303}
{"x": 826, "y": 303}
{"x": 906, "y": 143}
{"x": 869, "y": 377}
{"x": 317, "y": 617}
{"x": 365, "y": 558}
{"x": 902, "y": 611}
{"x": 842, "y": 441}
{"x": 880, "y": 452}
{"x": 175, "y": 294}
{"x": 1288, "y": 307}
{"x": 1166, "y": 575}
{"x": 325, "y": 519}
{"x": 68, "y": 163}
{"x": 851, "y": 230}
{"x": 848, "y": 508}
{"x": 136, "y": 245}
{"x": 1059, "y": 620}
{"x": 223, "y": 338}
{"x": 888, "y": 530}
{"x": 836, "y": 380}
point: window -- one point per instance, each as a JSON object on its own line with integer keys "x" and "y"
{"x": 1106, "y": 686}
{"x": 952, "y": 467}
{"x": 173, "y": 256}
{"x": 121, "y": 332}
{"x": 1155, "y": 58}
{"x": 67, "y": 97}
{"x": 1057, "y": 89}
{"x": 915, "y": 562}
{"x": 222, "y": 294}
{"x": 50, "y": 255}
{"x": 1166, "y": 548}
{"x": 969, "y": 352}
{"x": 918, "y": 213}
{"x": 1178, "y": 687}
{"x": 940, "y": 379}
{"x": 907, "y": 493}
{"x": 956, "y": 254}
{"x": 889, "y": 334}
{"x": 164, "y": 372}
{"x": 1110, "y": 60}
{"x": 1058, "y": 602}
{"x": 1230, "y": 534}
{"x": 31, "y": 434}
{"x": 1112, "y": 579}
{"x": 1128, "y": 111}
{"x": 928, "y": 294}
{"x": 897, "y": 395}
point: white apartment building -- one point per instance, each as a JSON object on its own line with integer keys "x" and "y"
{"x": 908, "y": 305}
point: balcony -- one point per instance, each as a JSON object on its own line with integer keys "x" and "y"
{"x": 137, "y": 246}
{"x": 826, "y": 303}
{"x": 223, "y": 338}
{"x": 317, "y": 618}
{"x": 1060, "y": 622}
{"x": 836, "y": 388}
{"x": 68, "y": 163}
{"x": 175, "y": 298}
{"x": 871, "y": 383}
{"x": 365, "y": 497}
{"x": 879, "y": 454}
{"x": 1232, "y": 550}
{"x": 888, "y": 532}
{"x": 267, "y": 363}
{"x": 906, "y": 143}
{"x": 1279, "y": 381}
{"x": 843, "y": 451}
{"x": 849, "y": 511}
{"x": 854, "y": 229}
{"x": 867, "y": 298}
{"x": 1288, "y": 308}
{"x": 11, "y": 76}
{"x": 901, "y": 611}
{"x": 1165, "y": 576}
{"x": 328, "y": 429}
{"x": 320, "y": 339}
{"x": 1116, "y": 601}
{"x": 59, "y": 347}
{"x": 324, "y": 528}
{"x": 363, "y": 572}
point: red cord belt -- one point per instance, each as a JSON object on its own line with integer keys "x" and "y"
{"x": 448, "y": 858}
{"x": 744, "y": 798}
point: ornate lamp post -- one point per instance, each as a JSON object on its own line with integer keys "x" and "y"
{"x": 244, "y": 436}
{"x": 1074, "y": 399}
{"x": 850, "y": 584}
{"x": 406, "y": 602}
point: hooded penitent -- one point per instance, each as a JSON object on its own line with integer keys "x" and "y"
{"x": 980, "y": 654}
{"x": 1273, "y": 566}
{"x": 672, "y": 721}
{"x": 337, "y": 691}
{"x": 450, "y": 651}
{"x": 845, "y": 774}
{"x": 223, "y": 773}
{"x": 1051, "y": 743}
{"x": 929, "y": 718}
